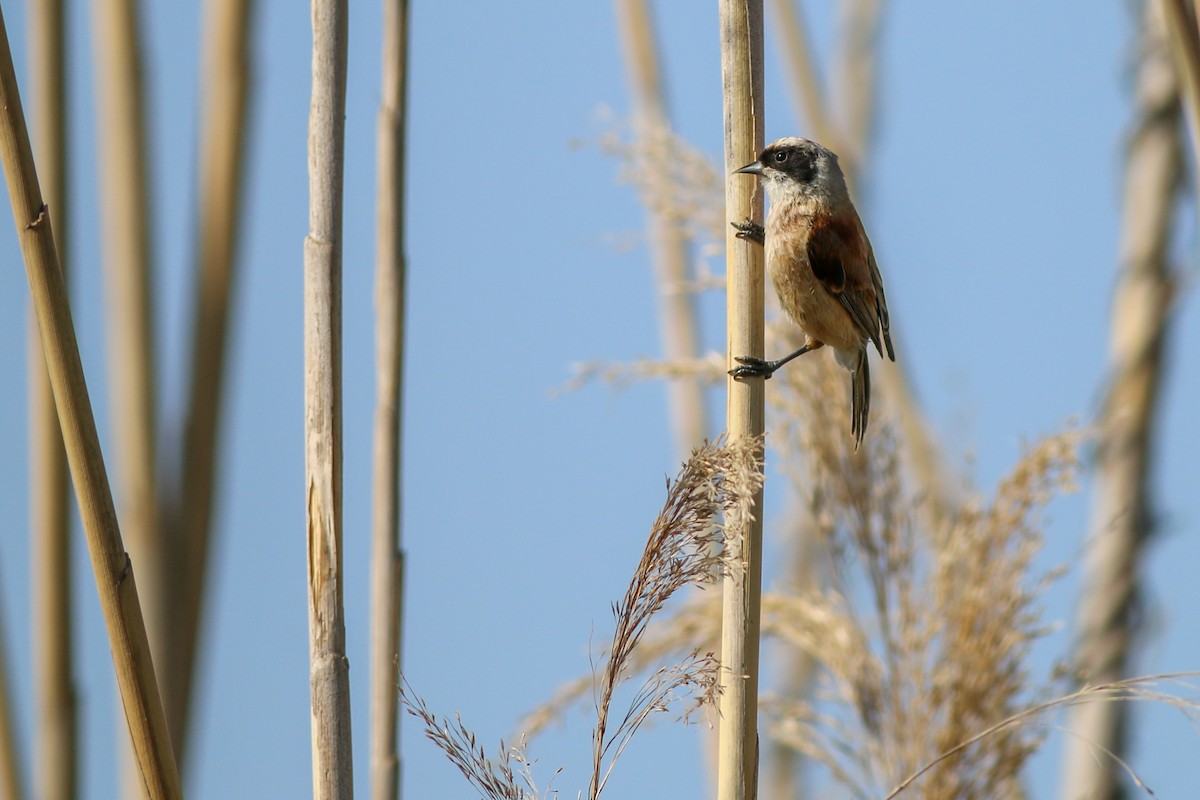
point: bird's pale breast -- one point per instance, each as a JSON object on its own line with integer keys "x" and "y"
{"x": 802, "y": 295}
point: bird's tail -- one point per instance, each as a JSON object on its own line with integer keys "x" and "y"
{"x": 860, "y": 397}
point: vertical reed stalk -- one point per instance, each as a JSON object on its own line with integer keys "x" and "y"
{"x": 127, "y": 225}
{"x": 226, "y": 88}
{"x": 387, "y": 555}
{"x": 113, "y": 568}
{"x": 1122, "y": 519}
{"x": 1185, "y": 47}
{"x": 55, "y": 757}
{"x": 855, "y": 76}
{"x": 856, "y": 80}
{"x": 676, "y": 306}
{"x": 12, "y": 782}
{"x": 808, "y": 95}
{"x": 797, "y": 668}
{"x": 329, "y": 668}
{"x": 742, "y": 84}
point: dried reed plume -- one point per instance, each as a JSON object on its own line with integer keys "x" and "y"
{"x": 712, "y": 496}
{"x": 495, "y": 779}
{"x": 674, "y": 180}
{"x": 719, "y": 480}
{"x": 1129, "y": 690}
{"x": 937, "y": 650}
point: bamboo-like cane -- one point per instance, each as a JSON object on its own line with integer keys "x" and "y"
{"x": 1122, "y": 518}
{"x": 1185, "y": 47}
{"x": 113, "y": 567}
{"x": 856, "y": 80}
{"x": 676, "y": 307}
{"x": 12, "y": 781}
{"x": 329, "y": 668}
{"x": 128, "y": 224}
{"x": 855, "y": 76}
{"x": 226, "y": 87}
{"x": 808, "y": 95}
{"x": 387, "y": 556}
{"x": 55, "y": 757}
{"x": 742, "y": 83}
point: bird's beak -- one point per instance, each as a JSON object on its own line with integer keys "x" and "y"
{"x": 753, "y": 169}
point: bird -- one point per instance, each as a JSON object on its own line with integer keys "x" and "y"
{"x": 821, "y": 264}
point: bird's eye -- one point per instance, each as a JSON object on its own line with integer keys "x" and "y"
{"x": 781, "y": 156}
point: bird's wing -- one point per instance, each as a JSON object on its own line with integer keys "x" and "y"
{"x": 885, "y": 320}
{"x": 840, "y": 257}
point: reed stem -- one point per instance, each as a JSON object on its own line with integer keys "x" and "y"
{"x": 387, "y": 555}
{"x": 55, "y": 763}
{"x": 333, "y": 775}
{"x": 742, "y": 78}
{"x": 112, "y": 565}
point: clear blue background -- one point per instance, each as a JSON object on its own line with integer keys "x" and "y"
{"x": 993, "y": 204}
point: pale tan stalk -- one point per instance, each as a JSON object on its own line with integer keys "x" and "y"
{"x": 855, "y": 76}
{"x": 12, "y": 771}
{"x": 113, "y": 567}
{"x": 333, "y": 775}
{"x": 55, "y": 758}
{"x": 387, "y": 555}
{"x": 808, "y": 97}
{"x": 127, "y": 220}
{"x": 1185, "y": 47}
{"x": 226, "y": 87}
{"x": 856, "y": 80}
{"x": 798, "y": 668}
{"x": 676, "y": 306}
{"x": 742, "y": 89}
{"x": 1122, "y": 519}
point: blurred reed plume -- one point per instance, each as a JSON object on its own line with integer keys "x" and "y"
{"x": 711, "y": 497}
{"x": 920, "y": 633}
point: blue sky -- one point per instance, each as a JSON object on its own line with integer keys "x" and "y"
{"x": 993, "y": 207}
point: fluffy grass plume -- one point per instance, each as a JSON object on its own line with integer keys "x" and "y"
{"x": 712, "y": 494}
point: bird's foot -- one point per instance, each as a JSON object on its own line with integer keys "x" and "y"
{"x": 750, "y": 231}
{"x": 751, "y": 367}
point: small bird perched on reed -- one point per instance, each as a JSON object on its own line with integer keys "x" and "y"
{"x": 822, "y": 265}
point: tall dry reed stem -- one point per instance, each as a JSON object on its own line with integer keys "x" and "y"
{"x": 333, "y": 775}
{"x": 226, "y": 87}
{"x": 1122, "y": 518}
{"x": 113, "y": 568}
{"x": 55, "y": 750}
{"x": 12, "y": 770}
{"x": 128, "y": 223}
{"x": 387, "y": 555}
{"x": 741, "y": 23}
{"x": 855, "y": 76}
{"x": 677, "y": 313}
{"x": 1185, "y": 47}
{"x": 808, "y": 96}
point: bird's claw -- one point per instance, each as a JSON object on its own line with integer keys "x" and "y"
{"x": 751, "y": 367}
{"x": 750, "y": 231}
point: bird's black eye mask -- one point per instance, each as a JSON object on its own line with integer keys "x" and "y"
{"x": 798, "y": 162}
